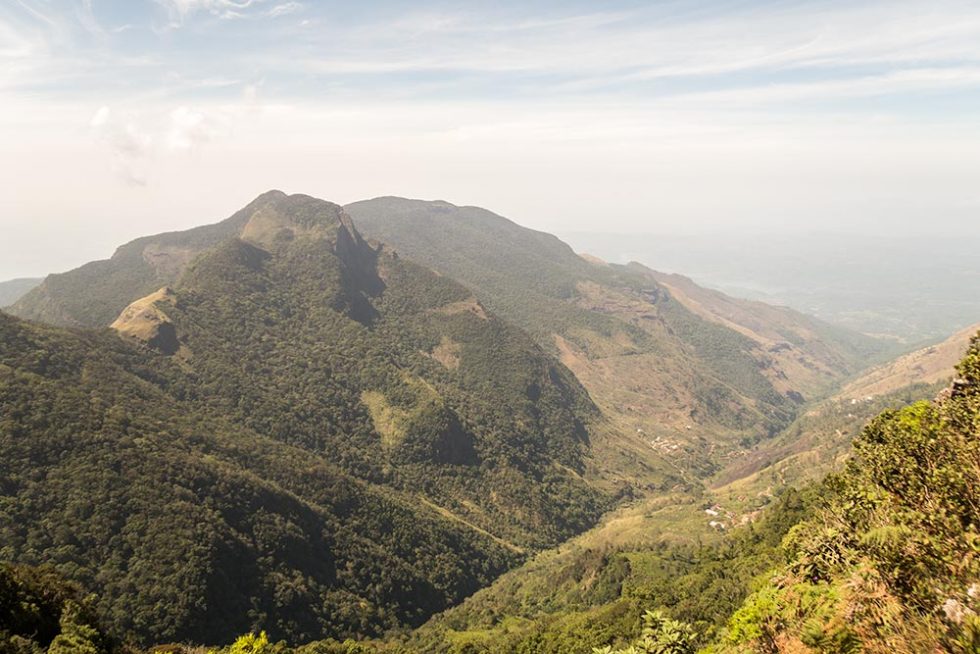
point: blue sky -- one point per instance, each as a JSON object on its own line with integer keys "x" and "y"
{"x": 123, "y": 118}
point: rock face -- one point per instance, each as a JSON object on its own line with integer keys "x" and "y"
{"x": 144, "y": 321}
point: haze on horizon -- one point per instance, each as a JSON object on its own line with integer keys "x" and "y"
{"x": 120, "y": 119}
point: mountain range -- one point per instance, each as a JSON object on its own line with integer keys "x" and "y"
{"x": 14, "y": 289}
{"x": 308, "y": 410}
{"x": 338, "y": 422}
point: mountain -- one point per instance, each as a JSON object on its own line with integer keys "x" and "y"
{"x": 94, "y": 294}
{"x": 820, "y": 351}
{"x": 927, "y": 365}
{"x": 674, "y": 384}
{"x": 692, "y": 372}
{"x": 908, "y": 287}
{"x": 14, "y": 289}
{"x": 454, "y": 389}
{"x": 300, "y": 431}
{"x": 273, "y": 423}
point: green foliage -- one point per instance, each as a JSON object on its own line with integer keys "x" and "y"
{"x": 251, "y": 644}
{"x": 39, "y": 611}
{"x": 891, "y": 563}
{"x": 76, "y": 637}
{"x": 243, "y": 484}
{"x": 588, "y": 598}
{"x": 660, "y": 635}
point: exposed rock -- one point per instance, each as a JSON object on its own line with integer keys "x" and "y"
{"x": 144, "y": 321}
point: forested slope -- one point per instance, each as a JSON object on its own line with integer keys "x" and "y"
{"x": 694, "y": 378}
{"x": 305, "y": 433}
{"x": 191, "y": 526}
{"x": 674, "y": 381}
{"x": 890, "y": 563}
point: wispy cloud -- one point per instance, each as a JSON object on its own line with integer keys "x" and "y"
{"x": 129, "y": 144}
{"x": 509, "y": 52}
{"x": 137, "y": 140}
{"x": 190, "y": 129}
{"x": 602, "y": 93}
{"x": 181, "y": 10}
{"x": 284, "y": 9}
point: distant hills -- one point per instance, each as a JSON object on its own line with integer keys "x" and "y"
{"x": 14, "y": 289}
{"x": 907, "y": 287}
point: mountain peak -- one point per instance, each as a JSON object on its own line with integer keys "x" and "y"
{"x": 278, "y": 217}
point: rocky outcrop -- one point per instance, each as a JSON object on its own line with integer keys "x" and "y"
{"x": 145, "y": 321}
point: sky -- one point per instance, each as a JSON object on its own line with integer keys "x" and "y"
{"x": 124, "y": 118}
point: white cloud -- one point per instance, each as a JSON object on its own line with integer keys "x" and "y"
{"x": 284, "y": 9}
{"x": 128, "y": 144}
{"x": 121, "y": 133}
{"x": 190, "y": 129}
{"x": 594, "y": 51}
{"x": 139, "y": 140}
{"x": 180, "y": 10}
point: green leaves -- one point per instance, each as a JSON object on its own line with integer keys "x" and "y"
{"x": 39, "y": 611}
{"x": 892, "y": 560}
{"x": 660, "y": 635}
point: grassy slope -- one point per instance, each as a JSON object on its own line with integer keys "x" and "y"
{"x": 930, "y": 365}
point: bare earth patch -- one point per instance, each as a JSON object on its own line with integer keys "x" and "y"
{"x": 469, "y": 305}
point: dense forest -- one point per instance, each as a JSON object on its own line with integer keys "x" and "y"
{"x": 294, "y": 439}
{"x": 306, "y": 434}
{"x": 880, "y": 557}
